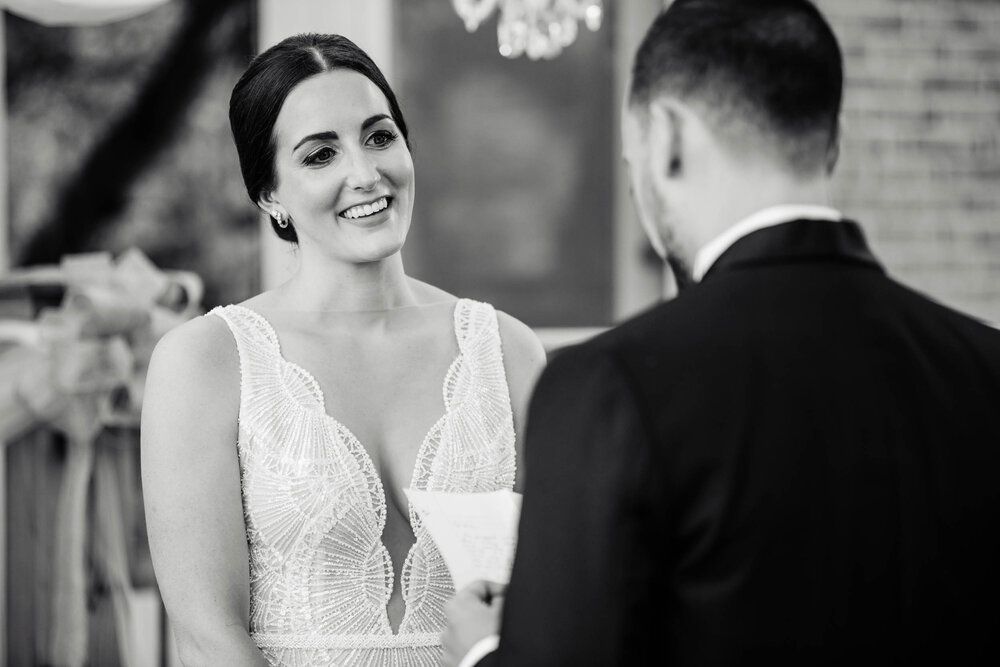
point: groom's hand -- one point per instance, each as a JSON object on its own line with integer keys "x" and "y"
{"x": 474, "y": 613}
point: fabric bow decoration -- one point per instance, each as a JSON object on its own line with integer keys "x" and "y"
{"x": 76, "y": 368}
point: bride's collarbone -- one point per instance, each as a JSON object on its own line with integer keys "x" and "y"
{"x": 376, "y": 370}
{"x": 385, "y": 384}
{"x": 366, "y": 342}
{"x": 360, "y": 358}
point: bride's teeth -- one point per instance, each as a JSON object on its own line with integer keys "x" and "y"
{"x": 364, "y": 210}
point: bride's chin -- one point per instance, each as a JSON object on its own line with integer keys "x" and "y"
{"x": 379, "y": 252}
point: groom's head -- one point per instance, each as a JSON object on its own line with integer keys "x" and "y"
{"x": 728, "y": 84}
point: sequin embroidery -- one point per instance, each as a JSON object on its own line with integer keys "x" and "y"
{"x": 314, "y": 506}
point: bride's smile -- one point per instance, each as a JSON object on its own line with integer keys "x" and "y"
{"x": 343, "y": 171}
{"x": 364, "y": 211}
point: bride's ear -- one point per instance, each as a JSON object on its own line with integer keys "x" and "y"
{"x": 268, "y": 203}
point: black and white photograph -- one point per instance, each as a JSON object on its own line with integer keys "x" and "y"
{"x": 499, "y": 333}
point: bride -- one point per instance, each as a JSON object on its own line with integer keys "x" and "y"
{"x": 278, "y": 434}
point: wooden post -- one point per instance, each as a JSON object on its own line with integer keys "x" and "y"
{"x": 4, "y": 267}
{"x": 369, "y": 25}
{"x": 4, "y": 184}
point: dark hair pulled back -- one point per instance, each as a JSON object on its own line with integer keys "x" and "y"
{"x": 775, "y": 63}
{"x": 260, "y": 93}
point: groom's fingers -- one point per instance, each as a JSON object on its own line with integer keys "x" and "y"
{"x": 496, "y": 605}
{"x": 484, "y": 590}
{"x": 479, "y": 589}
{"x": 496, "y": 590}
{"x": 474, "y": 613}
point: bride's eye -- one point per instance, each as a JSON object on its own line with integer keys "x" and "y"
{"x": 320, "y": 156}
{"x": 382, "y": 138}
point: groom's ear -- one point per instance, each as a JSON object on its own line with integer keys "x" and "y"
{"x": 666, "y": 148}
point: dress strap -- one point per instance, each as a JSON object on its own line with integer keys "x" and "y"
{"x": 481, "y": 372}
{"x": 261, "y": 376}
{"x": 474, "y": 322}
{"x": 248, "y": 327}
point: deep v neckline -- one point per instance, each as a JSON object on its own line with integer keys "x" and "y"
{"x": 363, "y": 457}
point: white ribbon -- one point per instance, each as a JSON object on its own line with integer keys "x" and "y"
{"x": 79, "y": 12}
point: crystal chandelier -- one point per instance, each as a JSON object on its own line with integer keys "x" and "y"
{"x": 538, "y": 28}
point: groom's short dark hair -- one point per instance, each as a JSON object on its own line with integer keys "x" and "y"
{"x": 771, "y": 68}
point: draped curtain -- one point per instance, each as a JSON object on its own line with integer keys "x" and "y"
{"x": 78, "y": 12}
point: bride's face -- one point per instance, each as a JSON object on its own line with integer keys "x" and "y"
{"x": 344, "y": 173}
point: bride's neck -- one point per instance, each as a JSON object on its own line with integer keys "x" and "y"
{"x": 343, "y": 287}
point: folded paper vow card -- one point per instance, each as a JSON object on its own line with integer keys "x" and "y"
{"x": 476, "y": 533}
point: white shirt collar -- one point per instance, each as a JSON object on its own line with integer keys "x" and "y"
{"x": 768, "y": 217}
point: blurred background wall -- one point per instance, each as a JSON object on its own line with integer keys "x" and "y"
{"x": 118, "y": 136}
{"x": 514, "y": 164}
{"x": 920, "y": 164}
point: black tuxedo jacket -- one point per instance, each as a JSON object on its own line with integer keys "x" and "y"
{"x": 796, "y": 461}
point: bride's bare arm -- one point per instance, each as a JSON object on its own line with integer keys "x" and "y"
{"x": 523, "y": 360}
{"x": 191, "y": 488}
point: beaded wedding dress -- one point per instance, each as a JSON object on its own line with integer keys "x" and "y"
{"x": 314, "y": 506}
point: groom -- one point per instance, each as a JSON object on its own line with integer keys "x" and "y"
{"x": 797, "y": 460}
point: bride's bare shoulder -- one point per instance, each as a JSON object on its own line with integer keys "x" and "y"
{"x": 192, "y": 394}
{"x": 521, "y": 345}
{"x": 200, "y": 349}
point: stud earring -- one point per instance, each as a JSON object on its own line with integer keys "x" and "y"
{"x": 279, "y": 218}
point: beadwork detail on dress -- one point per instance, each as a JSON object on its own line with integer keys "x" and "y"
{"x": 315, "y": 509}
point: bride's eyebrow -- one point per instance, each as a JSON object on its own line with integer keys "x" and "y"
{"x": 330, "y": 135}
{"x": 333, "y": 136}
{"x": 374, "y": 119}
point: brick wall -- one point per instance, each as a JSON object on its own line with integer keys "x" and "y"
{"x": 920, "y": 163}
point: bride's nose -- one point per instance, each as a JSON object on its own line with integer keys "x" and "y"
{"x": 364, "y": 174}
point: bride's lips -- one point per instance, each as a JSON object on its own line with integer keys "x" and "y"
{"x": 368, "y": 213}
